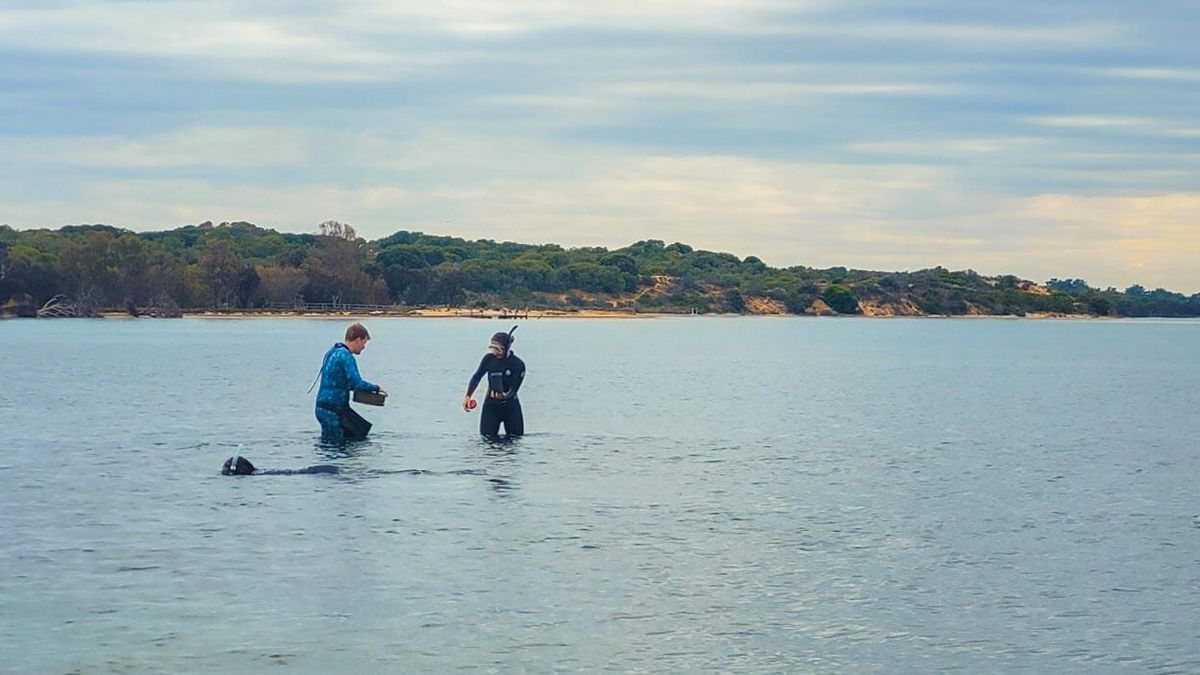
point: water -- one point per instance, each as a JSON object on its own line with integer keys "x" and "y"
{"x": 753, "y": 495}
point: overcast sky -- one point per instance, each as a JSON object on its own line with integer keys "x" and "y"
{"x": 1028, "y": 137}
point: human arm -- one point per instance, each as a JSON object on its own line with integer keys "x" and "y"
{"x": 518, "y": 376}
{"x": 354, "y": 380}
{"x": 475, "y": 382}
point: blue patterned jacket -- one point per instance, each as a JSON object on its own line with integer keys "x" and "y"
{"x": 339, "y": 376}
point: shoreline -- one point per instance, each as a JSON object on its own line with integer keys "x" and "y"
{"x": 595, "y": 314}
{"x": 583, "y": 314}
{"x": 420, "y": 314}
{"x": 495, "y": 315}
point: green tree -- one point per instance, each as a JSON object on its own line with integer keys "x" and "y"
{"x": 223, "y": 271}
{"x": 624, "y": 263}
{"x": 84, "y": 265}
{"x": 6, "y": 264}
{"x": 590, "y": 277}
{"x": 754, "y": 264}
{"x": 280, "y": 284}
{"x": 735, "y": 301}
{"x": 335, "y": 272}
{"x": 403, "y": 255}
{"x": 840, "y": 299}
{"x": 129, "y": 258}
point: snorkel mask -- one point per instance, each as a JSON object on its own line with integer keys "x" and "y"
{"x": 501, "y": 343}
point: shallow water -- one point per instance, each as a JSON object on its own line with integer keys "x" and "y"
{"x": 766, "y": 495}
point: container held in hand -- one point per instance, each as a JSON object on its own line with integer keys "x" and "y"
{"x": 370, "y": 397}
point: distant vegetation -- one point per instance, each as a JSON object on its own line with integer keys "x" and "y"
{"x": 242, "y": 266}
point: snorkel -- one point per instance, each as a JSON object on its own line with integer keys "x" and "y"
{"x": 237, "y": 465}
{"x": 501, "y": 343}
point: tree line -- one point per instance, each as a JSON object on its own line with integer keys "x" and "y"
{"x": 243, "y": 266}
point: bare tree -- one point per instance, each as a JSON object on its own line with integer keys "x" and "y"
{"x": 338, "y": 230}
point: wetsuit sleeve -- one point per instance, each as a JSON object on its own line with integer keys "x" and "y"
{"x": 355, "y": 380}
{"x": 478, "y": 374}
{"x": 518, "y": 378}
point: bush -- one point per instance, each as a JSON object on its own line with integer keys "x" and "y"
{"x": 841, "y": 299}
{"x": 734, "y": 301}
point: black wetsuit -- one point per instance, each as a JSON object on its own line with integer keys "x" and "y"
{"x": 504, "y": 376}
{"x": 243, "y": 467}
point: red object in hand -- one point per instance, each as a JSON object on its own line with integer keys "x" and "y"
{"x": 471, "y": 404}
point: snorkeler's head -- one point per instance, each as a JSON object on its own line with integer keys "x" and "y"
{"x": 500, "y": 344}
{"x": 243, "y": 467}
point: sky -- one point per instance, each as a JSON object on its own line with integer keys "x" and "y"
{"x": 1042, "y": 139}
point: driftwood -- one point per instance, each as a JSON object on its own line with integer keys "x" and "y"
{"x": 163, "y": 307}
{"x": 62, "y": 307}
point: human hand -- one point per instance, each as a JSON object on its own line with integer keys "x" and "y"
{"x": 468, "y": 403}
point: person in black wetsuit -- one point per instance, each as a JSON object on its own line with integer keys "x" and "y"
{"x": 504, "y": 372}
{"x": 240, "y": 466}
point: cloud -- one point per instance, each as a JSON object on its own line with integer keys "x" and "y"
{"x": 760, "y": 91}
{"x": 360, "y": 41}
{"x": 490, "y": 17}
{"x": 1096, "y": 122}
{"x": 153, "y": 204}
{"x": 332, "y": 41}
{"x": 216, "y": 38}
{"x": 1162, "y": 222}
{"x": 1154, "y": 74}
{"x": 207, "y": 147}
{"x": 897, "y": 216}
{"x": 950, "y": 147}
{"x": 1139, "y": 125}
{"x": 871, "y": 134}
{"x": 976, "y": 36}
{"x": 1147, "y": 239}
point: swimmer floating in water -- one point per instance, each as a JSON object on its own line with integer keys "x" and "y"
{"x": 505, "y": 373}
{"x": 240, "y": 466}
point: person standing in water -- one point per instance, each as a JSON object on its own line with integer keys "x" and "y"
{"x": 339, "y": 376}
{"x": 505, "y": 372}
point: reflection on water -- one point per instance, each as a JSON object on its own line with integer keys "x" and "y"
{"x": 501, "y": 458}
{"x": 805, "y": 496}
{"x": 343, "y": 449}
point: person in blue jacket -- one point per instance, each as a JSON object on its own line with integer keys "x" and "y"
{"x": 339, "y": 376}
